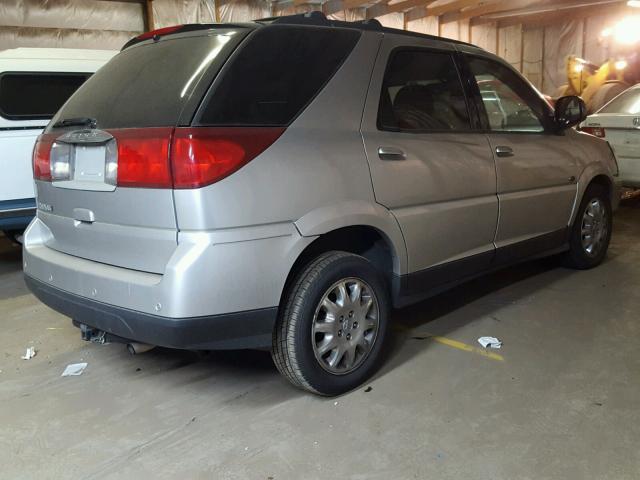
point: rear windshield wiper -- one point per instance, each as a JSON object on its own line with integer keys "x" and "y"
{"x": 77, "y": 122}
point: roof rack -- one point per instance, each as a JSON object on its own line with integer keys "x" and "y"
{"x": 320, "y": 19}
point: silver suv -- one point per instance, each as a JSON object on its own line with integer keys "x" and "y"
{"x": 283, "y": 184}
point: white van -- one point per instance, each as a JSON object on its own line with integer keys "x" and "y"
{"x": 34, "y": 83}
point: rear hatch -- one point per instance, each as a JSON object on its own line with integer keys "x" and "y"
{"x": 103, "y": 176}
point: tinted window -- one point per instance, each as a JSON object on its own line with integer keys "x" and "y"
{"x": 422, "y": 92}
{"x": 626, "y": 103}
{"x": 36, "y": 95}
{"x": 147, "y": 85}
{"x": 511, "y": 105}
{"x": 276, "y": 74}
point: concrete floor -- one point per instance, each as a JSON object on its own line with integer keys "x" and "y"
{"x": 561, "y": 400}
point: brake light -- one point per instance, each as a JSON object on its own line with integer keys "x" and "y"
{"x": 204, "y": 155}
{"x": 595, "y": 131}
{"x": 159, "y": 32}
{"x": 143, "y": 157}
{"x": 165, "y": 157}
{"x": 42, "y": 157}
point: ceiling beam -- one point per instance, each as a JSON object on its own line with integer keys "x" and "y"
{"x": 438, "y": 10}
{"x": 124, "y": 1}
{"x": 334, "y": 6}
{"x": 488, "y": 7}
{"x": 380, "y": 9}
{"x": 557, "y": 14}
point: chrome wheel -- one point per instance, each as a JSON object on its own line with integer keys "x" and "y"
{"x": 595, "y": 227}
{"x": 345, "y": 326}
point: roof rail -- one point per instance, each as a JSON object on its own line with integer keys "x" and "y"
{"x": 318, "y": 18}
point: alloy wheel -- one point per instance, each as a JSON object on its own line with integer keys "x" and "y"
{"x": 345, "y": 326}
{"x": 594, "y": 227}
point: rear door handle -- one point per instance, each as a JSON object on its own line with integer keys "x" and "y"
{"x": 391, "y": 153}
{"x": 503, "y": 151}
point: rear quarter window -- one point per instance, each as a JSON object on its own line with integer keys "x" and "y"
{"x": 275, "y": 75}
{"x": 36, "y": 95}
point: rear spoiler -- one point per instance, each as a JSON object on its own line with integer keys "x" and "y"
{"x": 190, "y": 27}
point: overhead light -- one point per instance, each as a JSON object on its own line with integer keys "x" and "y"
{"x": 621, "y": 64}
{"x": 626, "y": 31}
{"x": 634, "y": 3}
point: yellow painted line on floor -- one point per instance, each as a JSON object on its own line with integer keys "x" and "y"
{"x": 463, "y": 346}
{"x": 453, "y": 343}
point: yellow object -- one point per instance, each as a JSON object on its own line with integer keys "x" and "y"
{"x": 585, "y": 78}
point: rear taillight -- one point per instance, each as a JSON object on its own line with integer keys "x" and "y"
{"x": 165, "y": 157}
{"x": 204, "y": 155}
{"x": 42, "y": 157}
{"x": 595, "y": 131}
{"x": 143, "y": 157}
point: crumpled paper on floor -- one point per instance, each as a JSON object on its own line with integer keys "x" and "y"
{"x": 29, "y": 354}
{"x": 490, "y": 342}
{"x": 74, "y": 369}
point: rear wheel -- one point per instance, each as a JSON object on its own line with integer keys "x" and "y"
{"x": 591, "y": 231}
{"x": 332, "y": 326}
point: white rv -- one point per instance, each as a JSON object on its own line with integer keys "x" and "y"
{"x": 34, "y": 83}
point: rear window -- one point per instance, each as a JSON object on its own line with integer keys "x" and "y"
{"x": 275, "y": 75}
{"x": 626, "y": 103}
{"x": 38, "y": 95}
{"x": 148, "y": 85}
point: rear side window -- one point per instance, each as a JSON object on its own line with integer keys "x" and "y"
{"x": 28, "y": 96}
{"x": 148, "y": 85}
{"x": 275, "y": 75}
{"x": 422, "y": 92}
{"x": 626, "y": 103}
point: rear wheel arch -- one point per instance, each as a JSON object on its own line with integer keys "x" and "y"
{"x": 364, "y": 240}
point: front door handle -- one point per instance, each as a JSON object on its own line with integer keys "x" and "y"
{"x": 391, "y": 153}
{"x": 503, "y": 151}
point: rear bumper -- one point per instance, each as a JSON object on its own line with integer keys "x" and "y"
{"x": 209, "y": 273}
{"x": 629, "y": 172}
{"x": 249, "y": 329}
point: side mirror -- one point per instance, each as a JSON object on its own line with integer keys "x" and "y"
{"x": 570, "y": 111}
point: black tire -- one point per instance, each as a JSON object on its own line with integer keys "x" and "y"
{"x": 294, "y": 353}
{"x": 578, "y": 257}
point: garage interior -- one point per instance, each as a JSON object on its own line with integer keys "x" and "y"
{"x": 559, "y": 400}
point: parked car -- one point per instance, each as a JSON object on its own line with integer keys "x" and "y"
{"x": 283, "y": 184}
{"x": 34, "y": 83}
{"x": 619, "y": 122}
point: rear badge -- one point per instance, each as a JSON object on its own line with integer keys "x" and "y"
{"x": 45, "y": 207}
